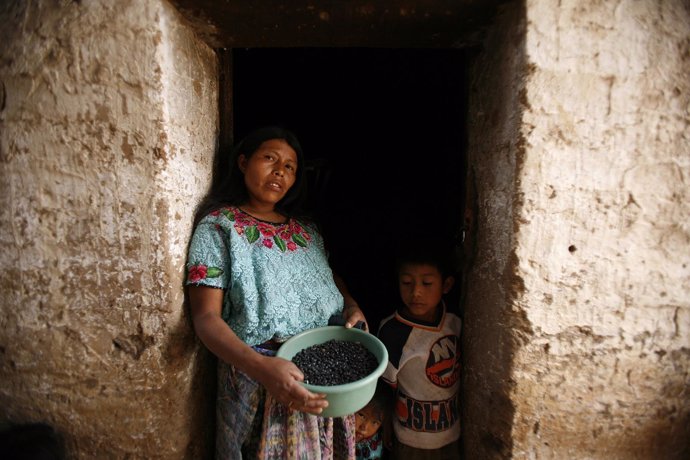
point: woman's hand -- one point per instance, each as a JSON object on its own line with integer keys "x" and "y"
{"x": 351, "y": 312}
{"x": 281, "y": 378}
{"x": 352, "y": 315}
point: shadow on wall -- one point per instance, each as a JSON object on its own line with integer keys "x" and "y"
{"x": 202, "y": 399}
{"x": 493, "y": 328}
{"x": 36, "y": 441}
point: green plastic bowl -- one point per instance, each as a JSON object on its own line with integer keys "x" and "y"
{"x": 350, "y": 397}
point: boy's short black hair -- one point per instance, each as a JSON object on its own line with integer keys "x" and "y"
{"x": 427, "y": 252}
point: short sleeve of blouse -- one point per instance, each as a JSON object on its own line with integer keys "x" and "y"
{"x": 208, "y": 260}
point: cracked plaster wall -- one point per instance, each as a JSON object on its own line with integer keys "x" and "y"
{"x": 578, "y": 316}
{"x": 108, "y": 125}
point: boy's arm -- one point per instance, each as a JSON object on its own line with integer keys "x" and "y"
{"x": 388, "y": 434}
{"x": 387, "y": 334}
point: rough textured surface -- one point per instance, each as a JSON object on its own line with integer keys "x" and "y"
{"x": 604, "y": 240}
{"x": 576, "y": 339}
{"x": 355, "y": 23}
{"x": 493, "y": 325}
{"x": 107, "y": 130}
{"x": 578, "y": 323}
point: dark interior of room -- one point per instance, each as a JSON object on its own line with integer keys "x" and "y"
{"x": 384, "y": 133}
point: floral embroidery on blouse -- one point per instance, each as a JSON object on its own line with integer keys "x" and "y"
{"x": 275, "y": 277}
{"x": 285, "y": 237}
{"x": 199, "y": 272}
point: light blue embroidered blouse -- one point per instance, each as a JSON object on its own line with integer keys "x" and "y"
{"x": 276, "y": 277}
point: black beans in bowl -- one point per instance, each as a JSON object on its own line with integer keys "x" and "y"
{"x": 335, "y": 362}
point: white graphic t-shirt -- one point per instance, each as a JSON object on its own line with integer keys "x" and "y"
{"x": 424, "y": 367}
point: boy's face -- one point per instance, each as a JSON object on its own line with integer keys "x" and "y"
{"x": 421, "y": 289}
{"x": 367, "y": 422}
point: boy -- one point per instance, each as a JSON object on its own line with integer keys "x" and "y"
{"x": 422, "y": 339}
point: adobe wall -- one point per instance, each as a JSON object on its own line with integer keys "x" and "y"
{"x": 576, "y": 339}
{"x": 578, "y": 317}
{"x": 493, "y": 327}
{"x": 108, "y": 124}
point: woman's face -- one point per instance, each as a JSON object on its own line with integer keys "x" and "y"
{"x": 269, "y": 173}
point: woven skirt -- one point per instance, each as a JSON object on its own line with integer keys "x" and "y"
{"x": 250, "y": 424}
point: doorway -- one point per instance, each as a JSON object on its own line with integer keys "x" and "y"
{"x": 384, "y": 134}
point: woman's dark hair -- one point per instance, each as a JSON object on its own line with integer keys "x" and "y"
{"x": 228, "y": 187}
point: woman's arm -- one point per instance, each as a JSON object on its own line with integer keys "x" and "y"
{"x": 351, "y": 311}
{"x": 280, "y": 377}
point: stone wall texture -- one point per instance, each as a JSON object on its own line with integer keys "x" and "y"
{"x": 108, "y": 125}
{"x": 493, "y": 325}
{"x": 578, "y": 316}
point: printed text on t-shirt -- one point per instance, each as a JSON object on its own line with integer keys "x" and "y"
{"x": 426, "y": 416}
